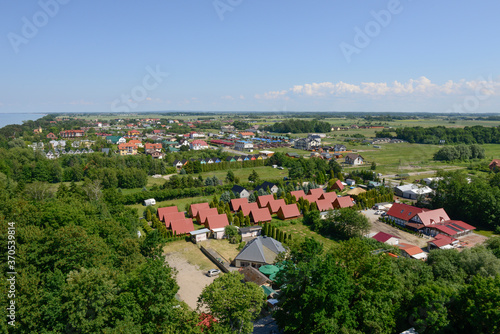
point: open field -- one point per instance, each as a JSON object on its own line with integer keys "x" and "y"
{"x": 190, "y": 252}
{"x": 265, "y": 173}
{"x": 300, "y": 232}
{"x": 223, "y": 247}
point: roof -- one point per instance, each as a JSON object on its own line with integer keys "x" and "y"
{"x": 261, "y": 249}
{"x": 216, "y": 221}
{"x": 410, "y": 249}
{"x": 297, "y": 194}
{"x": 166, "y": 210}
{"x": 182, "y": 226}
{"x": 383, "y": 237}
{"x": 254, "y": 275}
{"x": 246, "y": 208}
{"x": 263, "y": 200}
{"x": 203, "y": 214}
{"x": 441, "y": 240}
{"x": 194, "y": 208}
{"x": 329, "y": 196}
{"x": 247, "y": 133}
{"x": 125, "y": 145}
{"x": 200, "y": 231}
{"x": 199, "y": 142}
{"x": 289, "y": 211}
{"x": 173, "y": 216}
{"x": 353, "y": 156}
{"x": 344, "y": 202}
{"x": 264, "y": 186}
{"x": 433, "y": 216}
{"x": 248, "y": 229}
{"x": 237, "y": 189}
{"x": 403, "y": 211}
{"x": 324, "y": 204}
{"x": 275, "y": 205}
{"x": 317, "y": 192}
{"x": 237, "y": 202}
{"x": 356, "y": 191}
{"x": 494, "y": 163}
{"x": 260, "y": 215}
{"x": 338, "y": 184}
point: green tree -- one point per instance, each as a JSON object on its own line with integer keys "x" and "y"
{"x": 233, "y": 302}
{"x": 232, "y": 234}
{"x": 230, "y": 176}
{"x": 253, "y": 177}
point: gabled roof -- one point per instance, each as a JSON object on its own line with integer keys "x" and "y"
{"x": 213, "y": 222}
{"x": 194, "y": 208}
{"x": 338, "y": 185}
{"x": 261, "y": 249}
{"x": 403, "y": 211}
{"x": 173, "y": 216}
{"x": 316, "y": 192}
{"x": 237, "y": 189}
{"x": 182, "y": 226}
{"x": 289, "y": 211}
{"x": 203, "y": 214}
{"x": 166, "y": 210}
{"x": 383, "y": 237}
{"x": 324, "y": 205}
{"x": 297, "y": 194}
{"x": 441, "y": 240}
{"x": 246, "y": 208}
{"x": 260, "y": 215}
{"x": 410, "y": 249}
{"x": 343, "y": 202}
{"x": 433, "y": 216}
{"x": 332, "y": 196}
{"x": 275, "y": 205}
{"x": 353, "y": 156}
{"x": 264, "y": 186}
{"x": 199, "y": 142}
{"x": 263, "y": 200}
{"x": 494, "y": 163}
{"x": 237, "y": 202}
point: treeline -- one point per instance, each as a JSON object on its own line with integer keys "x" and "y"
{"x": 435, "y": 135}
{"x": 352, "y": 289}
{"x": 460, "y": 152}
{"x": 299, "y": 126}
{"x": 193, "y": 167}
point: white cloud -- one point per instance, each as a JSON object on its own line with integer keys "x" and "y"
{"x": 422, "y": 87}
{"x": 227, "y": 97}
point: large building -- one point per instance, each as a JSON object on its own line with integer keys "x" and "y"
{"x": 306, "y": 144}
{"x": 71, "y": 133}
{"x": 244, "y": 145}
{"x": 258, "y": 252}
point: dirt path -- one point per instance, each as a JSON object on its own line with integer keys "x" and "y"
{"x": 190, "y": 278}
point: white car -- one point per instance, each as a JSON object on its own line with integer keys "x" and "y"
{"x": 213, "y": 272}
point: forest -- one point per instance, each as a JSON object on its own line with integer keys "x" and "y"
{"x": 299, "y": 126}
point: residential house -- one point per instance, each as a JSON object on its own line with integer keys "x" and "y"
{"x": 338, "y": 185}
{"x": 494, "y": 164}
{"x": 227, "y": 128}
{"x": 258, "y": 252}
{"x": 442, "y": 241}
{"x": 386, "y": 238}
{"x": 236, "y": 203}
{"x": 298, "y": 194}
{"x": 241, "y": 191}
{"x": 260, "y": 215}
{"x": 316, "y": 193}
{"x": 71, "y": 133}
{"x": 198, "y": 144}
{"x": 133, "y": 133}
{"x": 289, "y": 211}
{"x": 274, "y": 205}
{"x": 306, "y": 144}
{"x": 155, "y": 154}
{"x": 353, "y": 159}
{"x": 194, "y": 208}
{"x": 401, "y": 214}
{"x": 127, "y": 149}
{"x": 343, "y": 202}
{"x": 173, "y": 216}
{"x": 165, "y": 211}
{"x": 136, "y": 142}
{"x": 264, "y": 185}
{"x": 331, "y": 196}
{"x": 412, "y": 251}
{"x": 216, "y": 224}
{"x": 179, "y": 163}
{"x": 350, "y": 182}
{"x": 181, "y": 226}
{"x": 116, "y": 140}
{"x": 263, "y": 200}
{"x": 339, "y": 148}
{"x": 452, "y": 228}
{"x": 153, "y": 147}
{"x": 247, "y": 135}
{"x": 244, "y": 146}
{"x": 324, "y": 205}
{"x": 247, "y": 208}
{"x": 203, "y": 214}
{"x": 411, "y": 191}
{"x": 51, "y": 136}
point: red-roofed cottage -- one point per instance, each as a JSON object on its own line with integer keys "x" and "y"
{"x": 263, "y": 200}
{"x": 297, "y": 194}
{"x": 216, "y": 224}
{"x": 162, "y": 212}
{"x": 275, "y": 205}
{"x": 289, "y": 211}
{"x": 203, "y": 214}
{"x": 260, "y": 215}
{"x": 386, "y": 238}
{"x": 324, "y": 205}
{"x": 343, "y": 202}
{"x": 181, "y": 226}
{"x": 338, "y": 185}
{"x": 249, "y": 207}
{"x": 173, "y": 216}
{"x": 317, "y": 192}
{"x": 237, "y": 202}
{"x": 331, "y": 197}
{"x": 442, "y": 241}
{"x": 194, "y": 208}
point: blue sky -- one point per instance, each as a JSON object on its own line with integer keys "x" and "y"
{"x": 249, "y": 55}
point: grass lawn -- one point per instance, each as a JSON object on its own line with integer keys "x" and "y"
{"x": 190, "y": 252}
{"x": 265, "y": 173}
{"x": 223, "y": 247}
{"x": 181, "y": 203}
{"x": 300, "y": 231}
{"x": 486, "y": 233}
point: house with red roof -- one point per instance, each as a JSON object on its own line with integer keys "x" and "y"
{"x": 442, "y": 241}
{"x": 51, "y": 136}
{"x": 324, "y": 205}
{"x": 331, "y": 196}
{"x": 198, "y": 144}
{"x": 237, "y": 202}
{"x": 386, "y": 238}
{"x": 153, "y": 147}
{"x": 216, "y": 224}
{"x": 494, "y": 164}
{"x": 431, "y": 217}
{"x": 181, "y": 226}
{"x": 263, "y": 200}
{"x": 343, "y": 202}
{"x": 412, "y": 251}
{"x": 289, "y": 211}
{"x": 194, "y": 208}
{"x": 297, "y": 194}
{"x": 338, "y": 185}
{"x": 452, "y": 228}
{"x": 260, "y": 215}
{"x": 203, "y": 214}
{"x": 275, "y": 205}
{"x": 135, "y": 142}
{"x": 316, "y": 192}
{"x": 173, "y": 216}
{"x": 162, "y": 212}
{"x": 402, "y": 213}
{"x": 246, "y": 208}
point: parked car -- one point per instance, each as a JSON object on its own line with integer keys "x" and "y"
{"x": 280, "y": 167}
{"x": 213, "y": 272}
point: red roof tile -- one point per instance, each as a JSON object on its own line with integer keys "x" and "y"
{"x": 441, "y": 240}
{"x": 263, "y": 200}
{"x": 260, "y": 215}
{"x": 248, "y": 207}
{"x": 410, "y": 249}
{"x": 216, "y": 221}
{"x": 289, "y": 211}
{"x": 182, "y": 226}
{"x": 237, "y": 202}
{"x": 324, "y": 205}
{"x": 433, "y": 216}
{"x": 338, "y": 185}
{"x": 317, "y": 192}
{"x": 275, "y": 205}
{"x": 383, "y": 237}
{"x": 173, "y": 216}
{"x": 297, "y": 194}
{"x": 403, "y": 211}
{"x": 194, "y": 208}
{"x": 332, "y": 196}
{"x": 165, "y": 211}
{"x": 343, "y": 202}
{"x": 203, "y": 214}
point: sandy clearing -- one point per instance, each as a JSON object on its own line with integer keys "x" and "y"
{"x": 190, "y": 278}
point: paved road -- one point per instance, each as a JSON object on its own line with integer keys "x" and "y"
{"x": 229, "y": 150}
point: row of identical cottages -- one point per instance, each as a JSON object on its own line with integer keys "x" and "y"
{"x": 259, "y": 212}
{"x": 180, "y": 163}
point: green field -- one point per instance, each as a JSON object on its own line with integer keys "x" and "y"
{"x": 181, "y": 203}
{"x": 265, "y": 173}
{"x": 300, "y": 231}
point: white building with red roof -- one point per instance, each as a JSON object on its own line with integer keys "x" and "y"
{"x": 198, "y": 144}
{"x": 442, "y": 241}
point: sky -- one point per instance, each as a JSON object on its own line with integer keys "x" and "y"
{"x": 249, "y": 55}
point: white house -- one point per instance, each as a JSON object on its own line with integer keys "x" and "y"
{"x": 199, "y": 145}
{"x": 353, "y": 159}
{"x": 242, "y": 145}
{"x": 149, "y": 202}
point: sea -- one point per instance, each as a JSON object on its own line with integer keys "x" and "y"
{"x": 14, "y": 118}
